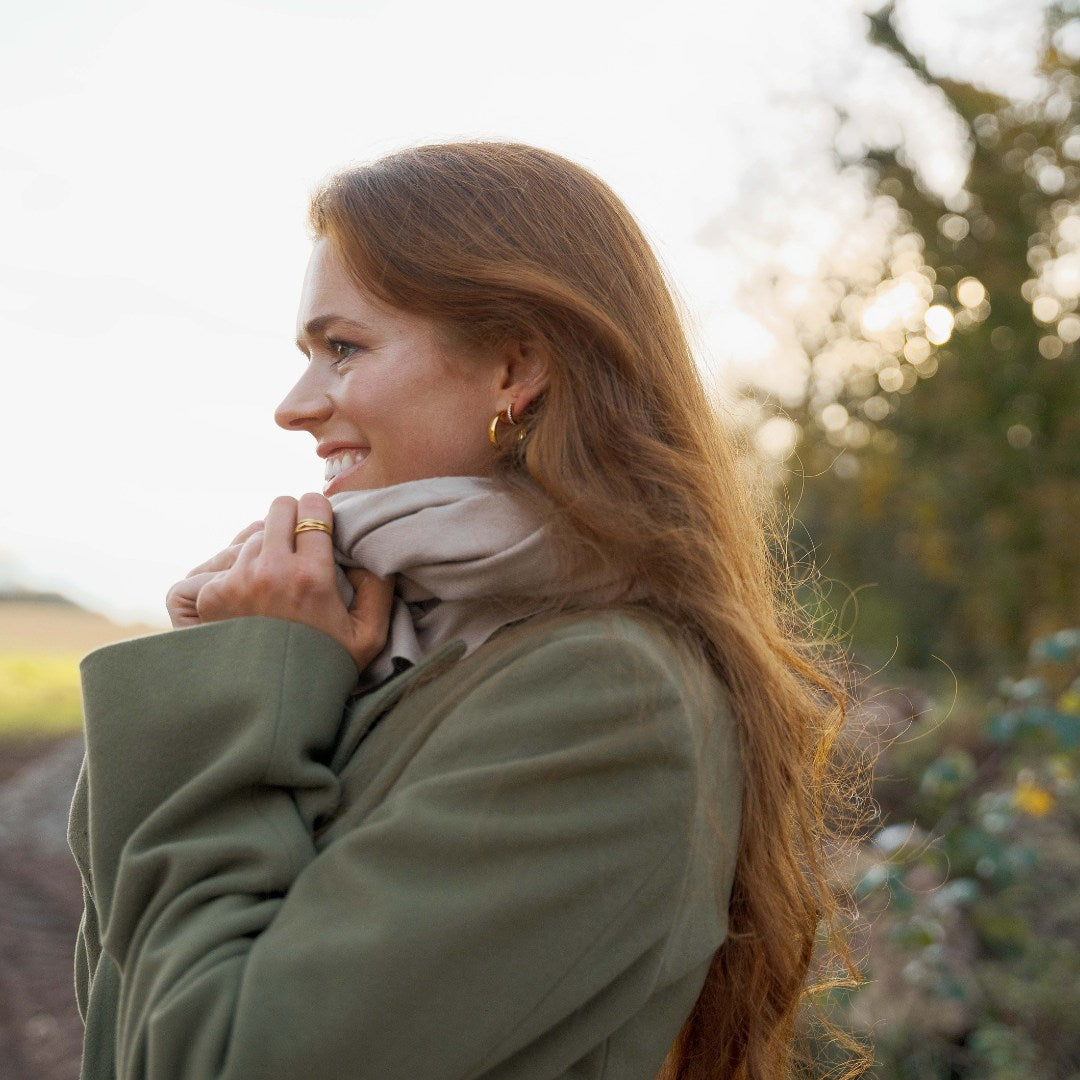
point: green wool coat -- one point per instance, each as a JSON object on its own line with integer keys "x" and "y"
{"x": 512, "y": 864}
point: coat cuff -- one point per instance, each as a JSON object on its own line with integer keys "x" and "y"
{"x": 244, "y": 702}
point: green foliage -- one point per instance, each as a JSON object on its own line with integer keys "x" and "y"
{"x": 39, "y": 694}
{"x": 973, "y": 888}
{"x": 940, "y": 436}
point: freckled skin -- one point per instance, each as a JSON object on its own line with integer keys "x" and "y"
{"x": 388, "y": 386}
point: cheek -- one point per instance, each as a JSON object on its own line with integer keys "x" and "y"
{"x": 359, "y": 397}
{"x": 450, "y": 431}
{"x": 451, "y": 401}
{"x": 452, "y": 437}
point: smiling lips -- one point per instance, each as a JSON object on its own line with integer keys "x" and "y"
{"x": 344, "y": 459}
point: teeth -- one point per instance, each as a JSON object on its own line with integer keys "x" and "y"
{"x": 338, "y": 462}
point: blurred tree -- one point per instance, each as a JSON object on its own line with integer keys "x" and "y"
{"x": 940, "y": 432}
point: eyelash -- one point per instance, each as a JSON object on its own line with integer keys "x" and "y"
{"x": 333, "y": 345}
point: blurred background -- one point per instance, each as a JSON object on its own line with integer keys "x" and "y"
{"x": 872, "y": 215}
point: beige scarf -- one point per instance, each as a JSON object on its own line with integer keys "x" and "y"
{"x": 469, "y": 558}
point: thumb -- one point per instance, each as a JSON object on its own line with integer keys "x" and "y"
{"x": 369, "y": 614}
{"x": 369, "y": 590}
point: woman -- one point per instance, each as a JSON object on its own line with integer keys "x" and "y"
{"x": 528, "y": 779}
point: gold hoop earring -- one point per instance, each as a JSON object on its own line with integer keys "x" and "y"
{"x": 492, "y": 428}
{"x": 507, "y": 416}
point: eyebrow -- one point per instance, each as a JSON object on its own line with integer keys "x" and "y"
{"x": 314, "y": 328}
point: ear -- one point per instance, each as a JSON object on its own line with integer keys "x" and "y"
{"x": 523, "y": 374}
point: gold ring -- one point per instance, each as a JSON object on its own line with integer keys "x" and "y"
{"x": 312, "y": 525}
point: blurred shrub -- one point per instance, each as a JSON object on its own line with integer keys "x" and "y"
{"x": 39, "y": 694}
{"x": 973, "y": 886}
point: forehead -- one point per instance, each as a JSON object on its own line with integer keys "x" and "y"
{"x": 328, "y": 287}
{"x": 331, "y": 295}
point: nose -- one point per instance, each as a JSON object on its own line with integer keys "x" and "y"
{"x": 305, "y": 405}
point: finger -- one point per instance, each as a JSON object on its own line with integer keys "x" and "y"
{"x": 315, "y": 542}
{"x": 280, "y": 523}
{"x": 190, "y": 586}
{"x": 182, "y": 599}
{"x": 223, "y": 559}
{"x": 243, "y": 534}
{"x": 227, "y": 556}
{"x": 249, "y": 550}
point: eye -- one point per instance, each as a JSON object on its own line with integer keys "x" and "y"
{"x": 340, "y": 351}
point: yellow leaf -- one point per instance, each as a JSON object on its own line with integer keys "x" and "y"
{"x": 1033, "y": 800}
{"x": 1070, "y": 702}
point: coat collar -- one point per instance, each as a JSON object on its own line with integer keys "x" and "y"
{"x": 364, "y": 711}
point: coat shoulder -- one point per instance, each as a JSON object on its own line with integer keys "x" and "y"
{"x": 634, "y": 644}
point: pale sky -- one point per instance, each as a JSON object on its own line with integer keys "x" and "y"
{"x": 155, "y": 159}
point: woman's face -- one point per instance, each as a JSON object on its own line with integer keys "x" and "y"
{"x": 383, "y": 397}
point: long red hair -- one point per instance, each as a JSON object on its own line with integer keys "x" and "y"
{"x": 501, "y": 242}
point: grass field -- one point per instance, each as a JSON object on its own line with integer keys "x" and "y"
{"x": 41, "y": 645}
{"x": 39, "y": 694}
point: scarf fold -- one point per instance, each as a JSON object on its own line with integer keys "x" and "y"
{"x": 469, "y": 559}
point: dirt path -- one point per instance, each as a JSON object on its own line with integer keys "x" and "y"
{"x": 40, "y": 905}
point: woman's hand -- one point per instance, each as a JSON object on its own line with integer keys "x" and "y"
{"x": 181, "y": 601}
{"x": 269, "y": 570}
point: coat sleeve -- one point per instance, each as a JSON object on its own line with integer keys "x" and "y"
{"x": 526, "y": 864}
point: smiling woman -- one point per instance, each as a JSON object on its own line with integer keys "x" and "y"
{"x": 497, "y": 759}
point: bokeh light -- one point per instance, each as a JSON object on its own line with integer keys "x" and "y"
{"x": 939, "y": 324}
{"x": 970, "y": 291}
